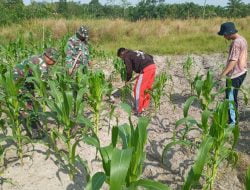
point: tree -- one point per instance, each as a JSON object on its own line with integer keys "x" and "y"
{"x": 62, "y": 7}
{"x": 15, "y": 9}
{"x": 235, "y": 8}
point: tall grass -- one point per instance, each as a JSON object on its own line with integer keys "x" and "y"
{"x": 154, "y": 36}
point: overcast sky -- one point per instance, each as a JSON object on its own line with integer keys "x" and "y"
{"x": 201, "y": 2}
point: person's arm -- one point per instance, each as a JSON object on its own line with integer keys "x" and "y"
{"x": 228, "y": 68}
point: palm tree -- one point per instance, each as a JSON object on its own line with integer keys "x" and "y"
{"x": 235, "y": 8}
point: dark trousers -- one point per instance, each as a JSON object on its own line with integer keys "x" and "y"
{"x": 232, "y": 90}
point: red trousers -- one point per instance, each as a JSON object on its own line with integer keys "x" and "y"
{"x": 143, "y": 83}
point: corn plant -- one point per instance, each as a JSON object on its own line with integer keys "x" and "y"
{"x": 97, "y": 52}
{"x": 206, "y": 89}
{"x": 16, "y": 50}
{"x": 246, "y": 94}
{"x": 126, "y": 91}
{"x": 120, "y": 68}
{"x": 110, "y": 88}
{"x": 223, "y": 135}
{"x": 195, "y": 173}
{"x": 158, "y": 89}
{"x": 61, "y": 103}
{"x": 40, "y": 93}
{"x": 216, "y": 147}
{"x": 187, "y": 66}
{"x": 123, "y": 166}
{"x": 97, "y": 89}
{"x": 12, "y": 104}
{"x": 216, "y": 136}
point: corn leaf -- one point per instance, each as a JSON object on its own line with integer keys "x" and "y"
{"x": 93, "y": 141}
{"x": 115, "y": 132}
{"x": 119, "y": 167}
{"x": 150, "y": 185}
{"x": 187, "y": 119}
{"x": 125, "y": 134}
{"x": 96, "y": 181}
{"x": 204, "y": 120}
{"x": 127, "y": 108}
{"x": 169, "y": 145}
{"x": 187, "y": 105}
{"x": 201, "y": 159}
{"x": 106, "y": 154}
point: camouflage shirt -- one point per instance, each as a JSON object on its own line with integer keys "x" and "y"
{"x": 73, "y": 48}
{"x": 23, "y": 70}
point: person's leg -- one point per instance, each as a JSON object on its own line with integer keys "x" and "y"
{"x": 144, "y": 82}
{"x": 138, "y": 93}
{"x": 232, "y": 95}
{"x": 149, "y": 76}
{"x": 236, "y": 84}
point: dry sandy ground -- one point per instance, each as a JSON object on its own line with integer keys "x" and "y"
{"x": 40, "y": 174}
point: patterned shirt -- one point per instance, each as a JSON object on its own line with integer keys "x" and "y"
{"x": 73, "y": 48}
{"x": 23, "y": 70}
{"x": 238, "y": 53}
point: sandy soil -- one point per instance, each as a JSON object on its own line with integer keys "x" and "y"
{"x": 39, "y": 173}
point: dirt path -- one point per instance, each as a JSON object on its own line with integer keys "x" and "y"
{"x": 40, "y": 174}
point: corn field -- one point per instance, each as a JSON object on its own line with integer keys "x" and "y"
{"x": 72, "y": 111}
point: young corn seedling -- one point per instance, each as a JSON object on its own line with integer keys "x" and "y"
{"x": 68, "y": 118}
{"x": 120, "y": 68}
{"x": 123, "y": 166}
{"x": 216, "y": 137}
{"x": 225, "y": 138}
{"x": 157, "y": 91}
{"x": 110, "y": 89}
{"x": 97, "y": 89}
{"x": 12, "y": 104}
{"x": 126, "y": 91}
{"x": 187, "y": 66}
{"x": 189, "y": 124}
{"x": 40, "y": 94}
{"x": 215, "y": 148}
{"x": 77, "y": 82}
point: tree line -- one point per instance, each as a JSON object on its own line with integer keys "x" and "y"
{"x": 16, "y": 11}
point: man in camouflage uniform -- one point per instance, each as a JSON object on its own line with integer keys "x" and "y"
{"x": 77, "y": 50}
{"x": 48, "y": 58}
{"x": 23, "y": 71}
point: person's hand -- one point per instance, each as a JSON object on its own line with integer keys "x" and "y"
{"x": 219, "y": 82}
{"x": 70, "y": 71}
{"x": 218, "y": 77}
{"x": 90, "y": 63}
